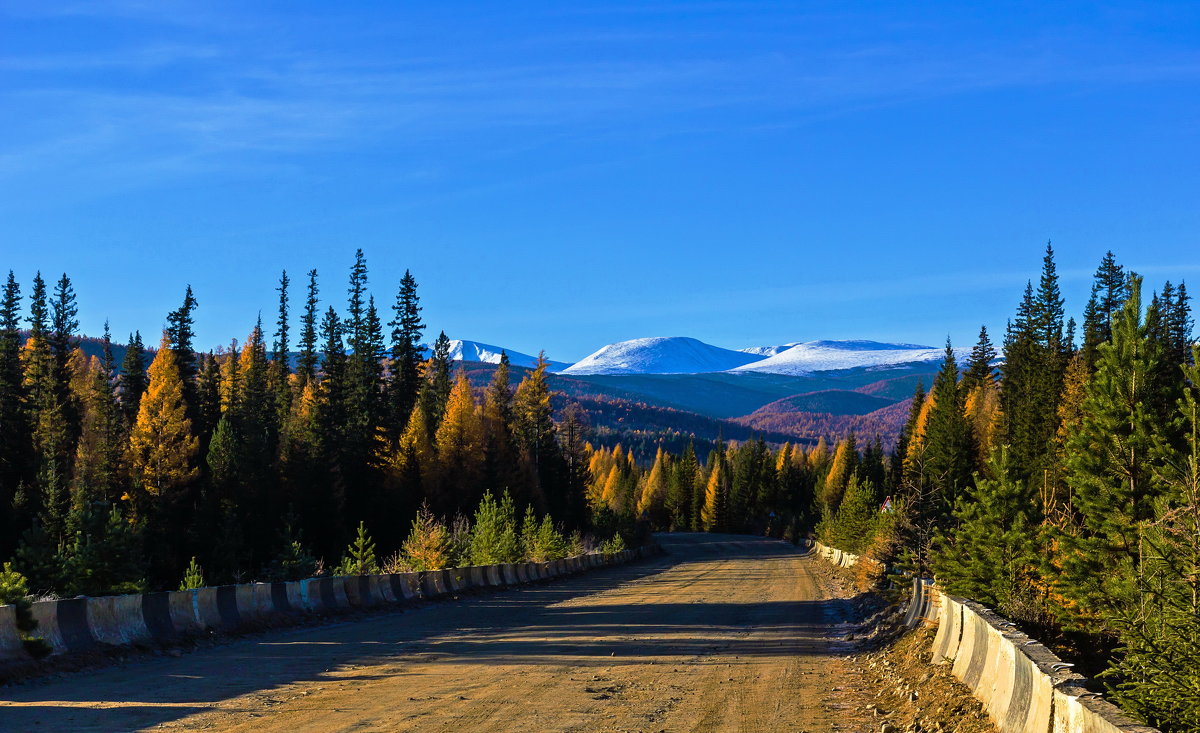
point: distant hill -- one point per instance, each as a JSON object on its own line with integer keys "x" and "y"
{"x": 885, "y": 423}
{"x": 832, "y": 401}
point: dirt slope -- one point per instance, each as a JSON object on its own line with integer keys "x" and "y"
{"x": 722, "y": 634}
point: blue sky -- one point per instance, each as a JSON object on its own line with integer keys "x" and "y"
{"x": 564, "y": 175}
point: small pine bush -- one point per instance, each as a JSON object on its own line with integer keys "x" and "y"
{"x": 193, "y": 577}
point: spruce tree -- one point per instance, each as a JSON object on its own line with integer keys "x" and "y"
{"x": 405, "y": 374}
{"x": 281, "y": 366}
{"x": 306, "y": 364}
{"x": 980, "y": 371}
{"x": 1036, "y": 355}
{"x": 435, "y": 389}
{"x": 500, "y": 453}
{"x": 15, "y": 446}
{"x": 180, "y": 337}
{"x": 133, "y": 378}
{"x": 948, "y": 456}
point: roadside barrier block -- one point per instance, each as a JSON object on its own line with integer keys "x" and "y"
{"x": 10, "y": 638}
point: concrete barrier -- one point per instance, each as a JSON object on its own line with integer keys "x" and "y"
{"x": 46, "y": 615}
{"x": 494, "y": 578}
{"x": 116, "y": 620}
{"x": 185, "y": 617}
{"x": 78, "y": 624}
{"x": 10, "y": 637}
{"x": 949, "y": 633}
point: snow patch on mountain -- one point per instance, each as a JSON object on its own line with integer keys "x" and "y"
{"x": 765, "y": 351}
{"x": 661, "y": 355}
{"x": 819, "y": 356}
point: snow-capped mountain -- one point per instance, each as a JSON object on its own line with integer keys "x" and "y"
{"x": 461, "y": 350}
{"x": 661, "y": 355}
{"x": 816, "y": 356}
{"x": 765, "y": 351}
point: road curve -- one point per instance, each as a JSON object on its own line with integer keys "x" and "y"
{"x": 723, "y": 633}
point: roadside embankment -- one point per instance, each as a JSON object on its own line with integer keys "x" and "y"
{"x": 1023, "y": 686}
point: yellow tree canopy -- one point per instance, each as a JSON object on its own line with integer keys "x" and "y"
{"x": 161, "y": 445}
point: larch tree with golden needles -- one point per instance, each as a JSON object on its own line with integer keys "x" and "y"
{"x": 162, "y": 447}
{"x": 459, "y": 442}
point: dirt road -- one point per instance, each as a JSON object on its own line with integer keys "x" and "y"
{"x": 721, "y": 634}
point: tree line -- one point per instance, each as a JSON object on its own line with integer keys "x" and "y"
{"x": 253, "y": 460}
{"x": 1061, "y": 485}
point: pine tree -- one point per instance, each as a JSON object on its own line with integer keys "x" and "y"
{"x": 162, "y": 447}
{"x": 1109, "y": 464}
{"x": 991, "y": 553}
{"x": 133, "y": 378}
{"x": 853, "y": 526}
{"x": 1159, "y": 635}
{"x": 360, "y": 555}
{"x": 405, "y": 373}
{"x": 494, "y": 532}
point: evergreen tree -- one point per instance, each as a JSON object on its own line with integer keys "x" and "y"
{"x": 281, "y": 367}
{"x": 133, "y": 378}
{"x": 405, "y": 373}
{"x": 1109, "y": 464}
{"x": 428, "y": 543}
{"x": 991, "y": 552}
{"x": 500, "y": 453}
{"x": 1110, "y": 289}
{"x": 535, "y": 428}
{"x": 180, "y": 336}
{"x": 105, "y": 554}
{"x": 360, "y": 555}
{"x": 52, "y": 445}
{"x": 1159, "y": 635}
{"x": 853, "y": 526}
{"x": 980, "y": 371}
{"x": 568, "y": 501}
{"x": 948, "y": 448}
{"x": 306, "y": 364}
{"x": 437, "y": 385}
{"x": 900, "y": 454}
{"x": 1036, "y": 356}
{"x": 15, "y": 446}
{"x": 494, "y": 532}
{"x": 99, "y": 474}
